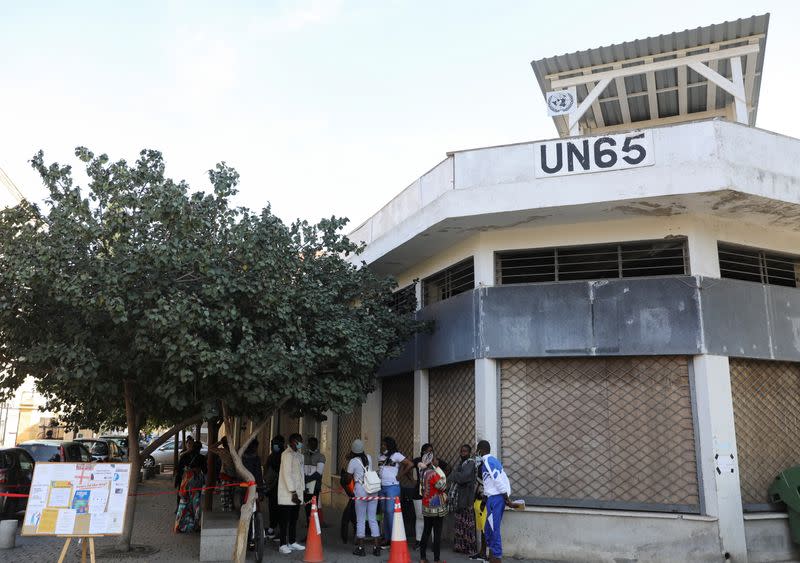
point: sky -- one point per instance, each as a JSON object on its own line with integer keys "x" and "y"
{"x": 324, "y": 107}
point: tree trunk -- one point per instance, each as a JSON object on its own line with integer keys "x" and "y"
{"x": 124, "y": 542}
{"x": 240, "y": 547}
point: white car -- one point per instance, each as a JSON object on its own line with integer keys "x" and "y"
{"x": 165, "y": 454}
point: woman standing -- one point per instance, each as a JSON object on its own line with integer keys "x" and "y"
{"x": 464, "y": 478}
{"x": 425, "y": 457}
{"x": 365, "y": 509}
{"x": 392, "y": 463}
{"x": 434, "y": 507}
{"x": 187, "y": 517}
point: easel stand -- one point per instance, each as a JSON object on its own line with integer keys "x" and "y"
{"x": 88, "y": 541}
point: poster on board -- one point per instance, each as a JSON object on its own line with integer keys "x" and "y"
{"x": 77, "y": 499}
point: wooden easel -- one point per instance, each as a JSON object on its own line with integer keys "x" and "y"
{"x": 88, "y": 541}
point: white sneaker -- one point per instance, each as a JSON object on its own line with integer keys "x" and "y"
{"x": 297, "y": 547}
{"x": 285, "y": 549}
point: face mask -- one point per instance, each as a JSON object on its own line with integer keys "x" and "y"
{"x": 428, "y": 457}
{"x": 276, "y": 448}
{"x": 299, "y": 446}
{"x": 385, "y": 452}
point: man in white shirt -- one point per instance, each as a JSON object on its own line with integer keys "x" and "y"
{"x": 291, "y": 484}
{"x": 496, "y": 489}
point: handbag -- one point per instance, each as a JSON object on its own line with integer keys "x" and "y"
{"x": 371, "y": 481}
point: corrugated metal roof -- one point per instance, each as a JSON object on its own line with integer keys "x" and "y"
{"x": 630, "y": 53}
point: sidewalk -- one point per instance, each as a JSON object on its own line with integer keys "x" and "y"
{"x": 153, "y": 533}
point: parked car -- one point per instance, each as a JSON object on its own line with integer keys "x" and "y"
{"x": 165, "y": 454}
{"x": 102, "y": 450}
{"x": 16, "y": 474}
{"x": 120, "y": 441}
{"x": 56, "y": 450}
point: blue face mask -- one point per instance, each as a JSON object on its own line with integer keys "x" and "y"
{"x": 276, "y": 448}
{"x": 299, "y": 446}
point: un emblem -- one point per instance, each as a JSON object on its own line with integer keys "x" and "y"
{"x": 561, "y": 101}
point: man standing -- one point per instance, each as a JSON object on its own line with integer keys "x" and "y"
{"x": 313, "y": 467}
{"x": 291, "y": 483}
{"x": 496, "y": 489}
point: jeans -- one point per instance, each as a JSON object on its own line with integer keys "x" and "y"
{"x": 390, "y": 491}
{"x": 432, "y": 523}
{"x": 365, "y": 512}
{"x": 495, "y": 506}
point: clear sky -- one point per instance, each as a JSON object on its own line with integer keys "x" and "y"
{"x": 324, "y": 107}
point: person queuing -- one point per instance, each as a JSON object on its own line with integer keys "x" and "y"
{"x": 479, "y": 508}
{"x": 391, "y": 463}
{"x": 433, "y": 484}
{"x": 291, "y": 483}
{"x": 313, "y": 468}
{"x": 192, "y": 479}
{"x": 273, "y": 469}
{"x": 366, "y": 509}
{"x": 252, "y": 462}
{"x": 425, "y": 456}
{"x": 463, "y": 476}
{"x": 496, "y": 489}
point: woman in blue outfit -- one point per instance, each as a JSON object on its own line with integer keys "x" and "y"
{"x": 392, "y": 464}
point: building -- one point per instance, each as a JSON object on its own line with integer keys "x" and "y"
{"x": 616, "y": 310}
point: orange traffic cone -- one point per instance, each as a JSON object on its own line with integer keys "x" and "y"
{"x": 398, "y": 551}
{"x": 313, "y": 552}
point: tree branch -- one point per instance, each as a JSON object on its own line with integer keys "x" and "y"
{"x": 194, "y": 419}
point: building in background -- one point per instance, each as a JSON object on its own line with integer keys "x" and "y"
{"x": 616, "y": 310}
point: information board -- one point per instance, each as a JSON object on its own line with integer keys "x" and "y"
{"x": 77, "y": 499}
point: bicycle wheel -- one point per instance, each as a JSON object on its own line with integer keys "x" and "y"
{"x": 258, "y": 536}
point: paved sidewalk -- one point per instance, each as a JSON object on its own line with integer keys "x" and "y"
{"x": 153, "y": 531}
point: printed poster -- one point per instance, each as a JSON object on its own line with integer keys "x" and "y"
{"x": 77, "y": 499}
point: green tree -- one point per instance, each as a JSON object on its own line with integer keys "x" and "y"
{"x": 134, "y": 295}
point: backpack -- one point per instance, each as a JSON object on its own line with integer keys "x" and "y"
{"x": 371, "y": 481}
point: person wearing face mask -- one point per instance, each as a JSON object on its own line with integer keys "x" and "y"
{"x": 273, "y": 469}
{"x": 291, "y": 483}
{"x": 496, "y": 489}
{"x": 424, "y": 459}
{"x": 463, "y": 476}
{"x": 313, "y": 467}
{"x": 391, "y": 464}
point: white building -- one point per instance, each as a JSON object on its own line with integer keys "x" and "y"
{"x": 616, "y": 310}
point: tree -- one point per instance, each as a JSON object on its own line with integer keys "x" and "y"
{"x": 133, "y": 295}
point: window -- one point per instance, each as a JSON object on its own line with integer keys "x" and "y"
{"x": 405, "y": 300}
{"x": 761, "y": 266}
{"x": 449, "y": 282}
{"x": 26, "y": 464}
{"x": 599, "y": 261}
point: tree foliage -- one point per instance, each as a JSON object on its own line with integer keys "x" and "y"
{"x": 135, "y": 279}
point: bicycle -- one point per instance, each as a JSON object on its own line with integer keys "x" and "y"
{"x": 255, "y": 534}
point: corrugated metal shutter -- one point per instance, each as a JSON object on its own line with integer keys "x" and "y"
{"x": 597, "y": 432}
{"x": 451, "y": 409}
{"x": 397, "y": 413}
{"x": 347, "y": 430}
{"x": 766, "y": 408}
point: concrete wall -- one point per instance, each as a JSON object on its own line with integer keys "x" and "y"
{"x": 768, "y": 538}
{"x": 610, "y": 536}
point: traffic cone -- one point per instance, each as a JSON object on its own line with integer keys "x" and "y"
{"x": 313, "y": 552}
{"x": 398, "y": 551}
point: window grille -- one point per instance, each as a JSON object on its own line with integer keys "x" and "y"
{"x": 397, "y": 412}
{"x": 449, "y": 282}
{"x": 404, "y": 300}
{"x": 347, "y": 430}
{"x": 600, "y": 432}
{"x": 451, "y": 409}
{"x": 761, "y": 266}
{"x": 766, "y": 410}
{"x": 599, "y": 261}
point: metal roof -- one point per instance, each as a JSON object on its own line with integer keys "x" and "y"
{"x": 661, "y": 96}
